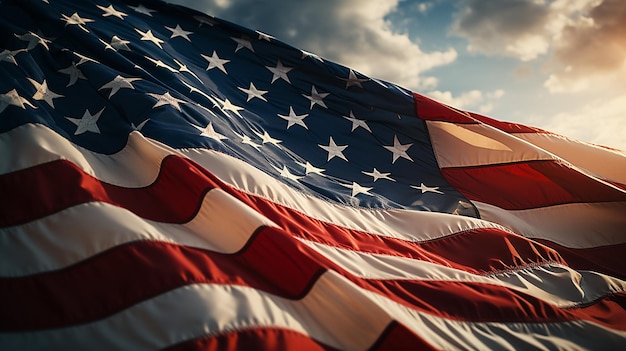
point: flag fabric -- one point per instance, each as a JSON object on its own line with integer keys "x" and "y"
{"x": 169, "y": 180}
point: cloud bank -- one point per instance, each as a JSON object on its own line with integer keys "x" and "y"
{"x": 583, "y": 40}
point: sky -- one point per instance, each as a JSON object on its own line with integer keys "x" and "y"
{"x": 558, "y": 65}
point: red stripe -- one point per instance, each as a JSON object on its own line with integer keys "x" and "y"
{"x": 431, "y": 110}
{"x": 397, "y": 337}
{"x": 51, "y": 187}
{"x": 606, "y": 259}
{"x": 273, "y": 262}
{"x": 505, "y": 250}
{"x": 154, "y": 202}
{"x": 253, "y": 339}
{"x": 507, "y": 127}
{"x": 525, "y": 185}
{"x": 509, "y": 251}
{"x": 128, "y": 274}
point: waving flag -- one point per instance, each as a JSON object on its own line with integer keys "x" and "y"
{"x": 169, "y": 180}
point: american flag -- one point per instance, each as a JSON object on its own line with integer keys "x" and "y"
{"x": 169, "y": 180}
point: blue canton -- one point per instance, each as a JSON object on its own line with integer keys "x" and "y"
{"x": 199, "y": 82}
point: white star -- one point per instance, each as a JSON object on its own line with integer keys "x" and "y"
{"x": 167, "y": 99}
{"x": 140, "y": 126}
{"x": 111, "y": 11}
{"x": 292, "y": 119}
{"x": 353, "y": 80}
{"x": 357, "y": 189}
{"x": 179, "y": 32}
{"x": 215, "y": 61}
{"x": 148, "y": 36}
{"x": 9, "y": 56}
{"x": 253, "y": 92}
{"x": 143, "y": 9}
{"x": 263, "y": 36}
{"x": 424, "y": 188}
{"x": 33, "y": 40}
{"x": 118, "y": 83}
{"x": 280, "y": 72}
{"x": 207, "y": 110}
{"x": 74, "y": 72}
{"x": 107, "y": 46}
{"x": 229, "y": 106}
{"x": 246, "y": 140}
{"x": 284, "y": 172}
{"x": 87, "y": 123}
{"x": 316, "y": 98}
{"x": 334, "y": 150}
{"x": 309, "y": 168}
{"x": 205, "y": 20}
{"x": 357, "y": 122}
{"x": 266, "y": 138}
{"x": 44, "y": 93}
{"x": 83, "y": 58}
{"x": 306, "y": 54}
{"x": 193, "y": 89}
{"x": 183, "y": 68}
{"x": 398, "y": 149}
{"x": 117, "y": 44}
{"x": 13, "y": 98}
{"x": 160, "y": 63}
{"x": 380, "y": 82}
{"x": 209, "y": 132}
{"x": 243, "y": 43}
{"x": 378, "y": 175}
{"x": 75, "y": 19}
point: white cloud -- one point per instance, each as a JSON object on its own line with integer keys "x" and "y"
{"x": 599, "y": 122}
{"x": 423, "y": 7}
{"x": 466, "y": 99}
{"x": 591, "y": 50}
{"x": 583, "y": 40}
{"x": 469, "y": 100}
{"x": 496, "y": 94}
{"x": 222, "y": 3}
{"x": 513, "y": 27}
{"x": 485, "y": 108}
{"x": 528, "y": 47}
{"x": 350, "y": 32}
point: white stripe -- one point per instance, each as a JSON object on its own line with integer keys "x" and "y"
{"x": 466, "y": 145}
{"x": 402, "y": 224}
{"x": 555, "y": 284}
{"x": 223, "y": 224}
{"x": 136, "y": 165}
{"x": 139, "y": 167}
{"x": 335, "y": 312}
{"x": 603, "y": 163}
{"x": 579, "y": 221}
{"x": 326, "y": 314}
{"x": 577, "y": 225}
{"x": 50, "y": 243}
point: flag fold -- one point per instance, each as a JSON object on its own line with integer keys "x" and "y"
{"x": 170, "y": 180}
